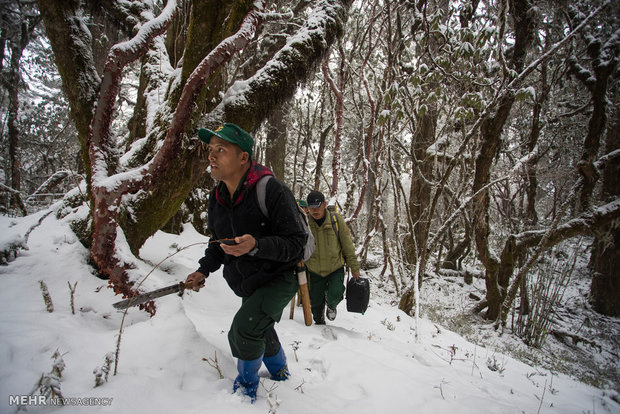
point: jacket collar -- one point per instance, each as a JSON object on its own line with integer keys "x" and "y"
{"x": 247, "y": 183}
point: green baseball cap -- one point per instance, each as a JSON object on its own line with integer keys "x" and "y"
{"x": 231, "y": 133}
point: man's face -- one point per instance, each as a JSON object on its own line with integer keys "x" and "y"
{"x": 225, "y": 159}
{"x": 318, "y": 212}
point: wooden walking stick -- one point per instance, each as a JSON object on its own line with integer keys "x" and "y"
{"x": 292, "y": 313}
{"x": 303, "y": 290}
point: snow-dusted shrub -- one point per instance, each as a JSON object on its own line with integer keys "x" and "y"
{"x": 546, "y": 289}
{"x": 49, "y": 384}
{"x": 103, "y": 372}
{"x": 46, "y": 297}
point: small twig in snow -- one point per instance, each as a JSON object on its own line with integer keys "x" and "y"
{"x": 215, "y": 364}
{"x": 72, "y": 290}
{"x": 272, "y": 400}
{"x": 441, "y": 388}
{"x": 295, "y": 346}
{"x": 542, "y": 397}
{"x": 300, "y": 386}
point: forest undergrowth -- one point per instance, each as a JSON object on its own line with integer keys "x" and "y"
{"x": 579, "y": 342}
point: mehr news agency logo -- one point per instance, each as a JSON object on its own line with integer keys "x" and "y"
{"x": 42, "y": 400}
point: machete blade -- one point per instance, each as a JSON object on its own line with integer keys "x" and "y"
{"x": 148, "y": 296}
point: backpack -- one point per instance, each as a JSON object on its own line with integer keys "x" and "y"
{"x": 261, "y": 185}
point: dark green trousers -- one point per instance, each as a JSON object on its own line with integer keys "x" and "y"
{"x": 252, "y": 332}
{"x": 328, "y": 289}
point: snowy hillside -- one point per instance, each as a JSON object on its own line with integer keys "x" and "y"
{"x": 358, "y": 364}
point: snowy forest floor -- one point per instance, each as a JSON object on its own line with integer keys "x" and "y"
{"x": 580, "y": 342}
{"x": 380, "y": 362}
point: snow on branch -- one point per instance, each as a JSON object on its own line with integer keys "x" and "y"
{"x": 584, "y": 75}
{"x": 610, "y": 49}
{"x": 330, "y": 81}
{"x": 515, "y": 169}
{"x": 278, "y": 78}
{"x": 132, "y": 180}
{"x": 196, "y": 81}
{"x": 51, "y": 182}
{"x": 274, "y": 17}
{"x": 525, "y": 72}
{"x": 600, "y": 163}
{"x": 549, "y": 237}
{"x": 583, "y": 224}
{"x": 9, "y": 189}
{"x": 120, "y": 55}
{"x": 140, "y": 177}
{"x": 224, "y": 51}
{"x": 128, "y": 51}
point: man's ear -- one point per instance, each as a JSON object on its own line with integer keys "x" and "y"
{"x": 245, "y": 156}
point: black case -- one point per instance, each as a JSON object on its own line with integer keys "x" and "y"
{"x": 358, "y": 295}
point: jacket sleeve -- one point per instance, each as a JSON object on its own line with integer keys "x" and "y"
{"x": 212, "y": 260}
{"x": 348, "y": 249}
{"x": 287, "y": 237}
{"x": 214, "y": 255}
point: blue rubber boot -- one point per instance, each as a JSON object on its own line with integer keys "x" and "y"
{"x": 247, "y": 379}
{"x": 277, "y": 366}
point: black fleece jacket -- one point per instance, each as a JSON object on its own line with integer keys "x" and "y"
{"x": 281, "y": 236}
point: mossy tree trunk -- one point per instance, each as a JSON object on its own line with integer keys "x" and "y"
{"x": 338, "y": 91}
{"x": 605, "y": 258}
{"x": 492, "y": 129}
{"x": 17, "y": 31}
{"x": 595, "y": 71}
{"x": 75, "y": 64}
{"x": 275, "y": 151}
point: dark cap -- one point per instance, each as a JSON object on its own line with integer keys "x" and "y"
{"x": 315, "y": 199}
{"x": 231, "y": 133}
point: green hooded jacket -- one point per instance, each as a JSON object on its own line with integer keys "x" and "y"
{"x": 329, "y": 254}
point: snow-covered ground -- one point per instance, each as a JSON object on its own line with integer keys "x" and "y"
{"x": 368, "y": 363}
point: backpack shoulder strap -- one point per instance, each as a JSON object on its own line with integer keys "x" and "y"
{"x": 334, "y": 222}
{"x": 261, "y": 186}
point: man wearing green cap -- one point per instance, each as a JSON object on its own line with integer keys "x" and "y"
{"x": 259, "y": 253}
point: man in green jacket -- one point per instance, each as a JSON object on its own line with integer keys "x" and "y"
{"x": 333, "y": 249}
